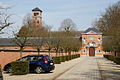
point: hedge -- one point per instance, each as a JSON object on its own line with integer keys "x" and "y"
{"x": 62, "y": 58}
{"x": 20, "y": 67}
{"x": 66, "y": 58}
{"x": 1, "y": 75}
{"x": 113, "y": 58}
{"x": 58, "y": 60}
{"x": 0, "y": 68}
{"x": 117, "y": 60}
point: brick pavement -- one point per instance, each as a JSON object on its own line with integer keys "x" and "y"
{"x": 108, "y": 69}
{"x": 86, "y": 70}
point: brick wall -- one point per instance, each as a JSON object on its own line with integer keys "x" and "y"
{"x": 7, "y": 57}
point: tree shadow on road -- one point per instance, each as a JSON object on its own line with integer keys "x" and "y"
{"x": 109, "y": 70}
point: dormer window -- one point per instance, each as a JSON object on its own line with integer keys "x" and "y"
{"x": 36, "y": 14}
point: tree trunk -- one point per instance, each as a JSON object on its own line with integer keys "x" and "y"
{"x": 38, "y": 50}
{"x": 115, "y": 53}
{"x": 49, "y": 53}
{"x": 21, "y": 50}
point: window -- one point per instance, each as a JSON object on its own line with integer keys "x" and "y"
{"x": 37, "y": 21}
{"x": 32, "y": 58}
{"x": 84, "y": 39}
{"x": 36, "y": 14}
{"x": 99, "y": 51}
{"x": 98, "y": 38}
{"x": 24, "y": 59}
{"x": 84, "y": 50}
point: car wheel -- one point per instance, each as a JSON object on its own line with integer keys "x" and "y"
{"x": 39, "y": 70}
{"x": 9, "y": 69}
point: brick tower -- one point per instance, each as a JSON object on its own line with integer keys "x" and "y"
{"x": 37, "y": 17}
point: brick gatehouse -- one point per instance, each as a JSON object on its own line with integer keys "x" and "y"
{"x": 92, "y": 42}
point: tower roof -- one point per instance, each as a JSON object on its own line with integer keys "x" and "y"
{"x": 37, "y": 9}
{"x": 92, "y": 29}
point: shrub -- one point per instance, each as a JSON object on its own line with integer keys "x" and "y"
{"x": 77, "y": 55}
{"x": 70, "y": 57}
{"x": 106, "y": 56}
{"x": 56, "y": 60}
{"x": 20, "y": 67}
{"x": 0, "y": 68}
{"x": 1, "y": 76}
{"x": 62, "y": 58}
{"x": 117, "y": 60}
{"x": 113, "y": 58}
{"x": 66, "y": 58}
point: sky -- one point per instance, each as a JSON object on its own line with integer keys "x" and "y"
{"x": 82, "y": 12}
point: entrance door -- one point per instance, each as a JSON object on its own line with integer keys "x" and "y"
{"x": 91, "y": 51}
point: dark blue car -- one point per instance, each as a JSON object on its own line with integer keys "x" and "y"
{"x": 37, "y": 63}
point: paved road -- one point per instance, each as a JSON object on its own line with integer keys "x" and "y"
{"x": 85, "y": 70}
{"x": 109, "y": 70}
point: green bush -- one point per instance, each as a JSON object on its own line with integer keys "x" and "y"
{"x": 62, "y": 58}
{"x": 78, "y": 55}
{"x": 66, "y": 58}
{"x": 70, "y": 57}
{"x": 75, "y": 55}
{"x": 1, "y": 75}
{"x": 106, "y": 56}
{"x": 0, "y": 68}
{"x": 117, "y": 60}
{"x": 113, "y": 58}
{"x": 20, "y": 67}
{"x": 56, "y": 60}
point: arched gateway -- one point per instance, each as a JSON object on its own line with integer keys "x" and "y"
{"x": 92, "y": 42}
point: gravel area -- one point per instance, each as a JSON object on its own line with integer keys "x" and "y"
{"x": 59, "y": 69}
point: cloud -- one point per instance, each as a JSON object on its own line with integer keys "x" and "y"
{"x": 4, "y": 6}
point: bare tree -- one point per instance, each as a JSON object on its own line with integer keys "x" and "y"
{"x": 49, "y": 41}
{"x": 21, "y": 41}
{"x": 39, "y": 39}
{"x": 56, "y": 45}
{"x": 4, "y": 18}
{"x": 110, "y": 20}
{"x": 68, "y": 25}
{"x": 38, "y": 43}
{"x": 109, "y": 24}
{"x": 49, "y": 44}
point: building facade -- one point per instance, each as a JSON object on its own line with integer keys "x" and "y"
{"x": 37, "y": 17}
{"x": 92, "y": 42}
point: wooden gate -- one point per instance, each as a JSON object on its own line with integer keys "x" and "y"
{"x": 91, "y": 51}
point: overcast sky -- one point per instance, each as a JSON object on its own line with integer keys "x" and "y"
{"x": 82, "y": 12}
